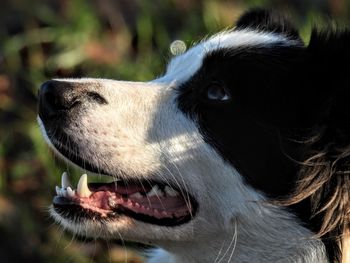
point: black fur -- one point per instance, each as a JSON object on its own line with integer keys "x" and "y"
{"x": 281, "y": 97}
{"x": 265, "y": 20}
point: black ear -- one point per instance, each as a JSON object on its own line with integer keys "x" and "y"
{"x": 329, "y": 70}
{"x": 329, "y": 61}
{"x": 330, "y": 46}
{"x": 268, "y": 21}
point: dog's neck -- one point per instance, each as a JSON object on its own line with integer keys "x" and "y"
{"x": 266, "y": 238}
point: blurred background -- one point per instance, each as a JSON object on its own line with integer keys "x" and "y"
{"x": 119, "y": 39}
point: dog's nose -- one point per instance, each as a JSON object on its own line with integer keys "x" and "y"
{"x": 55, "y": 96}
{"x": 58, "y": 97}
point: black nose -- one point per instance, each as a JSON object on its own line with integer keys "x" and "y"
{"x": 55, "y": 97}
{"x": 59, "y": 97}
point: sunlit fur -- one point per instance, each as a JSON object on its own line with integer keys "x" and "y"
{"x": 141, "y": 133}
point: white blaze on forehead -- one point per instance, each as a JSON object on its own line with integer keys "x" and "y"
{"x": 183, "y": 67}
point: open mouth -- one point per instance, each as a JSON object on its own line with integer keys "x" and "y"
{"x": 147, "y": 201}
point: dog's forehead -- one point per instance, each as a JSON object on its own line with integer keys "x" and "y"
{"x": 183, "y": 66}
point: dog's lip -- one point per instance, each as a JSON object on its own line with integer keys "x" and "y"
{"x": 151, "y": 204}
{"x": 68, "y": 154}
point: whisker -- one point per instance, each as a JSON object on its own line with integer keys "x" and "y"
{"x": 232, "y": 244}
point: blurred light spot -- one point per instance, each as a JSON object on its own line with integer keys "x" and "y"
{"x": 177, "y": 47}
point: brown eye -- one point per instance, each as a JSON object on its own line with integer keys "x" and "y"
{"x": 217, "y": 92}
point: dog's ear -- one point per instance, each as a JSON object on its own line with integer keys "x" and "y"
{"x": 329, "y": 70}
{"x": 330, "y": 49}
{"x": 267, "y": 21}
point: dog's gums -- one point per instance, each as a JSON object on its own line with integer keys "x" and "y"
{"x": 147, "y": 201}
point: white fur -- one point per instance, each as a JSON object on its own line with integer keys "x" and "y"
{"x": 141, "y": 133}
{"x": 184, "y": 66}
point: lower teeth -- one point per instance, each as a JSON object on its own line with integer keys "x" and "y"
{"x": 111, "y": 202}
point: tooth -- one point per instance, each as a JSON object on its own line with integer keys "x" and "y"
{"x": 64, "y": 193}
{"x": 70, "y": 192}
{"x": 65, "y": 180}
{"x": 155, "y": 191}
{"x": 58, "y": 190}
{"x": 170, "y": 191}
{"x": 83, "y": 189}
{"x": 111, "y": 202}
{"x": 136, "y": 195}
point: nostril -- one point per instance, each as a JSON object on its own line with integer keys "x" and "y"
{"x": 94, "y": 96}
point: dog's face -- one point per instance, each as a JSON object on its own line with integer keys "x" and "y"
{"x": 189, "y": 152}
{"x": 162, "y": 167}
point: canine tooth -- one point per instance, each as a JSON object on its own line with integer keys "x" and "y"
{"x": 82, "y": 188}
{"x": 155, "y": 191}
{"x": 170, "y": 191}
{"x": 65, "y": 180}
{"x": 70, "y": 192}
{"x": 136, "y": 195}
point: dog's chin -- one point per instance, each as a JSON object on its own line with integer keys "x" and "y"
{"x": 123, "y": 200}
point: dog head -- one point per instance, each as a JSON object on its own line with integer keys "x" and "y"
{"x": 202, "y": 146}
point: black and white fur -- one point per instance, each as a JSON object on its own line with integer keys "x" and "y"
{"x": 226, "y": 123}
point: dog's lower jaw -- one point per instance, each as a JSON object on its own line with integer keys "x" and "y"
{"x": 283, "y": 242}
{"x": 312, "y": 253}
{"x": 271, "y": 235}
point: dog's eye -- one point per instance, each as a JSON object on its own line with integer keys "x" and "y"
{"x": 216, "y": 91}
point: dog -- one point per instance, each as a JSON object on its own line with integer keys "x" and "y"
{"x": 238, "y": 153}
